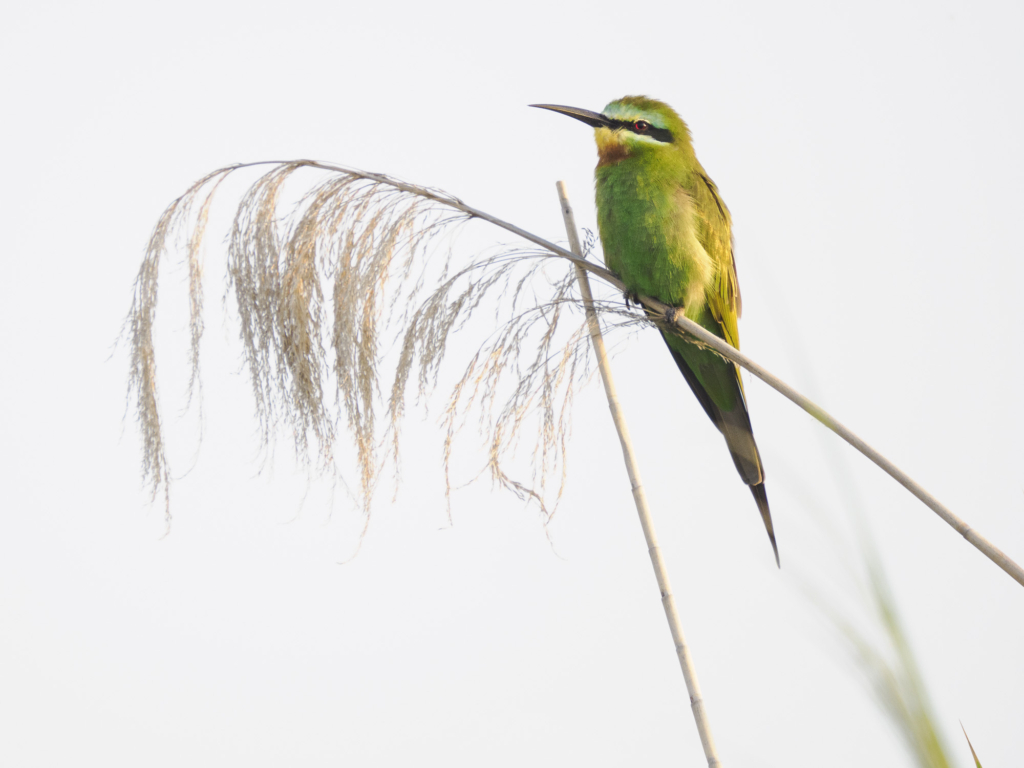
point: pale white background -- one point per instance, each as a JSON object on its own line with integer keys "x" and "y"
{"x": 872, "y": 161}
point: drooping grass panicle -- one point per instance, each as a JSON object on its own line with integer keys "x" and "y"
{"x": 327, "y": 279}
{"x": 138, "y": 326}
{"x": 543, "y": 383}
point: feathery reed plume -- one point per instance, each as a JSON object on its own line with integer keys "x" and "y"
{"x": 142, "y": 386}
{"x": 324, "y": 282}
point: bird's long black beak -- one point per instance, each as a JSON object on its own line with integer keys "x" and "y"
{"x": 593, "y": 119}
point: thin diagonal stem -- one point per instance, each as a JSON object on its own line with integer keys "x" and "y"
{"x": 700, "y": 715}
{"x": 674, "y": 319}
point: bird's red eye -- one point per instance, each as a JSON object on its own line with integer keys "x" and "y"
{"x": 641, "y": 126}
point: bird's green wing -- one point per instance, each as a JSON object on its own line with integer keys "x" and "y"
{"x": 714, "y": 231}
{"x": 724, "y": 306}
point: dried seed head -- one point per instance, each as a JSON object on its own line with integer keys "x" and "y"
{"x": 325, "y": 284}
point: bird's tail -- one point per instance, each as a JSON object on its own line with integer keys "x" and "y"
{"x": 739, "y": 437}
{"x": 761, "y": 497}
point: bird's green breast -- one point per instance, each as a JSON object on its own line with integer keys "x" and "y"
{"x": 646, "y": 221}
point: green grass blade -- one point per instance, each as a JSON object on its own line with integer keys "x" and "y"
{"x": 974, "y": 754}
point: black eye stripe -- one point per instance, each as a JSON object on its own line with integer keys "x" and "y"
{"x": 663, "y": 135}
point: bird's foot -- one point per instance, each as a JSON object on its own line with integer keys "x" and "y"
{"x": 631, "y": 297}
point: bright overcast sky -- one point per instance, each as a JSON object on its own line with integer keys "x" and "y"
{"x": 873, "y": 163}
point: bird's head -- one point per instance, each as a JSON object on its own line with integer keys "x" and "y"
{"x": 633, "y": 126}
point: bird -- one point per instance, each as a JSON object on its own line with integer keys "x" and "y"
{"x": 667, "y": 234}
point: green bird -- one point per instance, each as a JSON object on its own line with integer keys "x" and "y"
{"x": 667, "y": 234}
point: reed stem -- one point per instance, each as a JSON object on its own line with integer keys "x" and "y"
{"x": 700, "y": 715}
